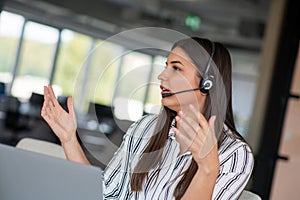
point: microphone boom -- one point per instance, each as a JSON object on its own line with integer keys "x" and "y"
{"x": 171, "y": 94}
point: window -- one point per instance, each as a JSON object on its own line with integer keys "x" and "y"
{"x": 36, "y": 59}
{"x": 131, "y": 87}
{"x": 153, "y": 102}
{"x": 103, "y": 73}
{"x": 244, "y": 83}
{"x": 10, "y": 32}
{"x": 73, "y": 52}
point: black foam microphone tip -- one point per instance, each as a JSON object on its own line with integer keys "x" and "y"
{"x": 166, "y": 95}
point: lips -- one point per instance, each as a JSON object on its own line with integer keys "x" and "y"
{"x": 164, "y": 90}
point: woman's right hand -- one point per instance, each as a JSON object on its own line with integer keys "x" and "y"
{"x": 62, "y": 123}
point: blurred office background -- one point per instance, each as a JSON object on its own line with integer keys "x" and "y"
{"x": 72, "y": 45}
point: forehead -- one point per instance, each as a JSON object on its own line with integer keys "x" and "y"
{"x": 180, "y": 55}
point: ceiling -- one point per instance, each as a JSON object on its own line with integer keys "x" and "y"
{"x": 238, "y": 23}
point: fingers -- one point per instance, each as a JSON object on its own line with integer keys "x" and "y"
{"x": 188, "y": 132}
{"x": 44, "y": 113}
{"x": 210, "y": 141}
{"x": 194, "y": 132}
{"x": 199, "y": 116}
{"x": 181, "y": 134}
{"x": 188, "y": 125}
{"x": 50, "y": 96}
{"x": 48, "y": 111}
{"x": 51, "y": 92}
{"x": 71, "y": 108}
{"x": 45, "y": 105}
{"x": 51, "y": 107}
{"x": 211, "y": 122}
{"x": 194, "y": 119}
{"x": 48, "y": 101}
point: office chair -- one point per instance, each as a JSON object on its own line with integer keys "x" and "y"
{"x": 104, "y": 115}
{"x": 12, "y": 117}
{"x": 101, "y": 111}
{"x": 42, "y": 147}
{"x": 63, "y": 101}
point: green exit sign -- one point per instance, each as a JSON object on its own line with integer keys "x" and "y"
{"x": 192, "y": 22}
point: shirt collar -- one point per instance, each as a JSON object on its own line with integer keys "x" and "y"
{"x": 171, "y": 131}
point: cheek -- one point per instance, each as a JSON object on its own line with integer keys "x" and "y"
{"x": 196, "y": 81}
{"x": 188, "y": 97}
{"x": 182, "y": 83}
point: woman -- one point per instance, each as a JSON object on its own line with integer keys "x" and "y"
{"x": 191, "y": 150}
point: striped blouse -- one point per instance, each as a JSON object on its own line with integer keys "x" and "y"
{"x": 236, "y": 163}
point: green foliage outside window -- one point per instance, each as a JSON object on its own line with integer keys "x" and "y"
{"x": 73, "y": 52}
{"x": 103, "y": 72}
{"x": 8, "y": 51}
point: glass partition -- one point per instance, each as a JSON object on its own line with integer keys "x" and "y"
{"x": 74, "y": 50}
{"x": 36, "y": 59}
{"x": 132, "y": 86}
{"x": 10, "y": 32}
{"x": 153, "y": 102}
{"x": 103, "y": 73}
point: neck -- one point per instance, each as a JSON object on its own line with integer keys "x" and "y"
{"x": 187, "y": 110}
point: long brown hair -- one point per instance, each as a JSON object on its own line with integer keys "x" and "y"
{"x": 222, "y": 62}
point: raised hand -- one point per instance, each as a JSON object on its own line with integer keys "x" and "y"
{"x": 62, "y": 123}
{"x": 196, "y": 134}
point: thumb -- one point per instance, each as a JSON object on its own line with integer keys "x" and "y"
{"x": 71, "y": 106}
{"x": 211, "y": 121}
{"x": 211, "y": 139}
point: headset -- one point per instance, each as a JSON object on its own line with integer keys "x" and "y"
{"x": 206, "y": 82}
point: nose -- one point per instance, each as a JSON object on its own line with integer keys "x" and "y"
{"x": 163, "y": 75}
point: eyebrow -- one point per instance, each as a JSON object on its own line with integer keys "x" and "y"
{"x": 174, "y": 62}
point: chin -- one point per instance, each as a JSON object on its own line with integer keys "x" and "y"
{"x": 171, "y": 105}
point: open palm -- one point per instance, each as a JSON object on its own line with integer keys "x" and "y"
{"x": 63, "y": 124}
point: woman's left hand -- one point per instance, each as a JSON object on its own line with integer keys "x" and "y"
{"x": 194, "y": 133}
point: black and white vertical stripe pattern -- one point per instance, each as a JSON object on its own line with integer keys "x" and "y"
{"x": 236, "y": 163}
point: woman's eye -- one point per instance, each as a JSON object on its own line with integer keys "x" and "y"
{"x": 176, "y": 68}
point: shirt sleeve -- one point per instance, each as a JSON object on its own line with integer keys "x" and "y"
{"x": 235, "y": 171}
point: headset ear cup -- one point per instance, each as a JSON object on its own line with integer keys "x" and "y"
{"x": 205, "y": 85}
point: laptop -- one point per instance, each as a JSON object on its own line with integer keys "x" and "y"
{"x": 26, "y": 175}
